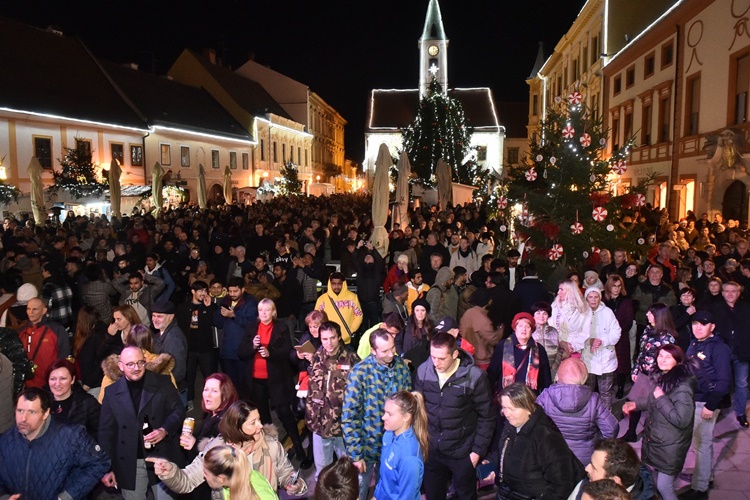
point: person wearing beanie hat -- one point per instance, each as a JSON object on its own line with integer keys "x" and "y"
{"x": 414, "y": 343}
{"x": 591, "y": 278}
{"x": 15, "y": 313}
{"x": 599, "y": 350}
{"x": 443, "y": 297}
{"x": 519, "y": 358}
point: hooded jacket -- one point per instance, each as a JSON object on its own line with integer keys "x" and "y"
{"x": 443, "y": 300}
{"x": 604, "y": 359}
{"x": 157, "y": 363}
{"x": 348, "y": 306}
{"x": 580, "y": 416}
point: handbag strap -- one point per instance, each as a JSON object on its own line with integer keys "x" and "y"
{"x": 39, "y": 345}
{"x": 336, "y": 308}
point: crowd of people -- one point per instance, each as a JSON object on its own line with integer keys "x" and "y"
{"x": 441, "y": 366}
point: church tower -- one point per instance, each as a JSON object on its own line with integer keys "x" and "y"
{"x": 433, "y": 50}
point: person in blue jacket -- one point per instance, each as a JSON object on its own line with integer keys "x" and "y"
{"x": 405, "y": 445}
{"x": 41, "y": 458}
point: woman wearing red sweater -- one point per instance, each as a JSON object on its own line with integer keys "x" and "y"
{"x": 265, "y": 347}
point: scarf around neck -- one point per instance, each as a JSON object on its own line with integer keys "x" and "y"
{"x": 509, "y": 362}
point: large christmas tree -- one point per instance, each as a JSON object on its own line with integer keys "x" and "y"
{"x": 78, "y": 174}
{"x": 440, "y": 131}
{"x": 563, "y": 201}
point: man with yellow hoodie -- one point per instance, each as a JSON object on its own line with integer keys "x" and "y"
{"x": 341, "y": 306}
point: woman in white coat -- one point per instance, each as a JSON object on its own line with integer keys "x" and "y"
{"x": 569, "y": 312}
{"x": 599, "y": 352}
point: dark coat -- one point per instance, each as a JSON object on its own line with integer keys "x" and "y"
{"x": 460, "y": 416}
{"x": 495, "y": 370}
{"x": 623, "y": 308}
{"x": 245, "y": 314}
{"x": 89, "y": 360}
{"x": 62, "y": 458}
{"x": 713, "y": 361}
{"x": 536, "y": 460}
{"x": 529, "y": 291}
{"x": 733, "y": 324}
{"x": 84, "y": 410}
{"x": 280, "y": 377}
{"x": 668, "y": 430}
{"x": 120, "y": 426}
{"x": 683, "y": 325}
{"x": 174, "y": 343}
{"x": 580, "y": 415}
{"x": 199, "y": 339}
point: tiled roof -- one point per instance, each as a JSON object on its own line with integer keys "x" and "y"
{"x": 247, "y": 93}
{"x": 52, "y": 74}
{"x": 167, "y": 103}
{"x": 396, "y": 109}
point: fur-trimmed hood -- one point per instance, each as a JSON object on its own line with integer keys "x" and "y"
{"x": 163, "y": 364}
{"x": 675, "y": 377}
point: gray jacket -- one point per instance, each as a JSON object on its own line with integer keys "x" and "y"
{"x": 173, "y": 342}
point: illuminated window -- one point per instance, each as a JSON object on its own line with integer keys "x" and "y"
{"x": 185, "y": 156}
{"x": 215, "y": 159}
{"x": 166, "y": 154}
{"x": 136, "y": 155}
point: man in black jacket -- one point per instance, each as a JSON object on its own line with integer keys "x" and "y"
{"x": 370, "y": 275}
{"x": 733, "y": 324}
{"x": 137, "y": 397}
{"x": 713, "y": 361}
{"x": 195, "y": 319}
{"x": 460, "y": 416}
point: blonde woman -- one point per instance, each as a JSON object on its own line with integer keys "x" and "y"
{"x": 405, "y": 445}
{"x": 569, "y": 311}
{"x": 228, "y": 470}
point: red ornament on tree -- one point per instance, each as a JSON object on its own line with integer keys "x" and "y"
{"x": 599, "y": 214}
{"x": 568, "y": 132}
{"x": 531, "y": 175}
{"x": 620, "y": 167}
{"x": 585, "y": 140}
{"x": 555, "y": 252}
{"x": 575, "y": 98}
{"x": 576, "y": 228}
{"x": 640, "y": 200}
{"x": 550, "y": 230}
{"x": 502, "y": 202}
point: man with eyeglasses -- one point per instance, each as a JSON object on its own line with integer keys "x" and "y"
{"x": 137, "y": 398}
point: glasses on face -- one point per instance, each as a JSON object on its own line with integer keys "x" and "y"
{"x": 133, "y": 364}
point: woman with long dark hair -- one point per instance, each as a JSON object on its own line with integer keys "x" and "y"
{"x": 242, "y": 428}
{"x": 659, "y": 331}
{"x": 413, "y": 344}
{"x": 89, "y": 337}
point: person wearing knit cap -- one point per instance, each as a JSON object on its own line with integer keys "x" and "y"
{"x": 13, "y": 316}
{"x": 519, "y": 358}
{"x": 414, "y": 343}
{"x": 591, "y": 278}
{"x": 599, "y": 350}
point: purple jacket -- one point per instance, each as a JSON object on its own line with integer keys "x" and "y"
{"x": 580, "y": 415}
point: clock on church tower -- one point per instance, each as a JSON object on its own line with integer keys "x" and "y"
{"x": 433, "y": 50}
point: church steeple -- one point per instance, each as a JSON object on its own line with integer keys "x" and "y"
{"x": 433, "y": 50}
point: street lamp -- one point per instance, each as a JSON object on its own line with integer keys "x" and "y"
{"x": 317, "y": 178}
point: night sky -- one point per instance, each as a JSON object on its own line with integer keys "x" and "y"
{"x": 341, "y": 49}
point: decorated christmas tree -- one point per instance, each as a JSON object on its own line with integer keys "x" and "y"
{"x": 290, "y": 183}
{"x": 440, "y": 131}
{"x": 563, "y": 202}
{"x": 78, "y": 174}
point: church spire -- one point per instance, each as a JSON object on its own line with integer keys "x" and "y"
{"x": 540, "y": 60}
{"x": 433, "y": 50}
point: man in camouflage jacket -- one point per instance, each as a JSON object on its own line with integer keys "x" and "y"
{"x": 327, "y": 383}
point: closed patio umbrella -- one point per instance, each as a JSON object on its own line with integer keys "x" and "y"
{"x": 401, "y": 214}
{"x": 227, "y": 185}
{"x": 37, "y": 191}
{"x": 445, "y": 184}
{"x": 379, "y": 238}
{"x": 156, "y": 187}
{"x": 114, "y": 187}
{"x": 202, "y": 193}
